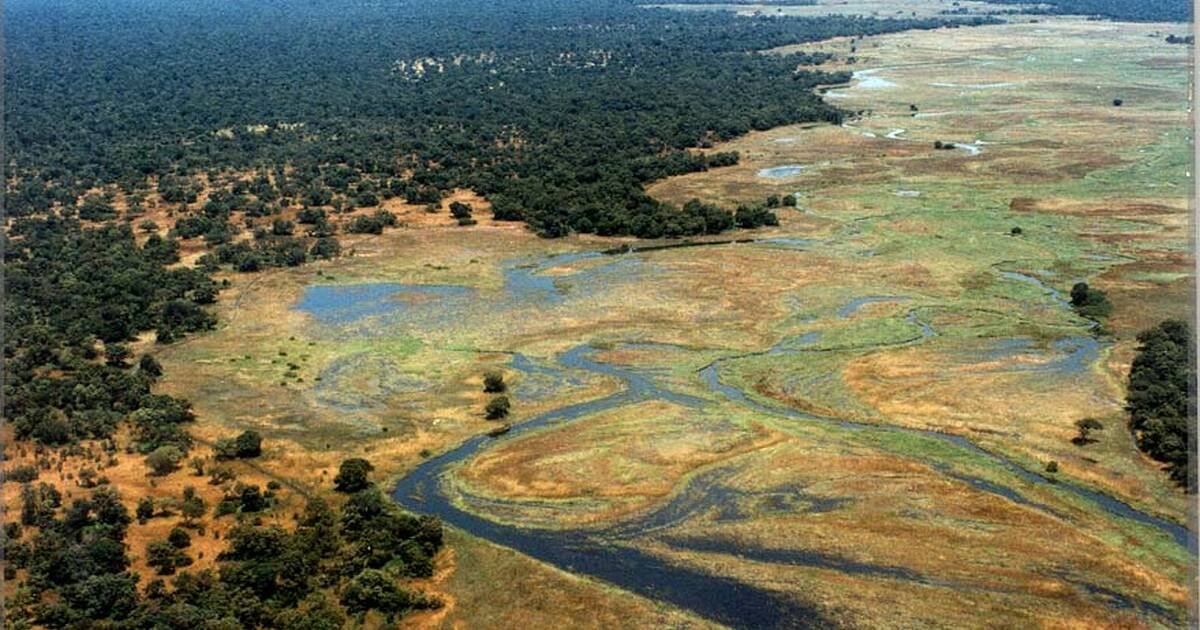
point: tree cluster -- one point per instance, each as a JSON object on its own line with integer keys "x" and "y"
{"x": 1161, "y": 397}
{"x": 334, "y": 565}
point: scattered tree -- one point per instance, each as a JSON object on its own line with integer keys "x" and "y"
{"x": 1090, "y": 302}
{"x": 164, "y": 460}
{"x": 497, "y": 408}
{"x": 493, "y": 382}
{"x": 1086, "y": 426}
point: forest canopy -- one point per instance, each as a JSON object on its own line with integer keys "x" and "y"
{"x": 557, "y": 112}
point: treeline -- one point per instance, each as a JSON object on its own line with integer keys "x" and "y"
{"x": 559, "y": 112}
{"x": 75, "y": 297}
{"x": 1126, "y": 10}
{"x": 334, "y": 565}
{"x": 1161, "y": 399}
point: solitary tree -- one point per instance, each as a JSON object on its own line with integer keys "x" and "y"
{"x": 493, "y": 382}
{"x": 352, "y": 475}
{"x": 1086, "y": 426}
{"x": 193, "y": 506}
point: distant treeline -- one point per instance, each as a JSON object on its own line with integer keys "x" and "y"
{"x": 780, "y": 3}
{"x": 1129, "y": 10}
{"x": 558, "y": 112}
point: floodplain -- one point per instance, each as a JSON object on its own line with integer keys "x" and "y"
{"x": 846, "y": 419}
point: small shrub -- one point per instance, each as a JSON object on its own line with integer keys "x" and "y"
{"x": 497, "y": 408}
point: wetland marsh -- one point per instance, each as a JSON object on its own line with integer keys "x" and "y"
{"x": 847, "y": 420}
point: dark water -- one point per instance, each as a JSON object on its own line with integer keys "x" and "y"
{"x": 719, "y": 598}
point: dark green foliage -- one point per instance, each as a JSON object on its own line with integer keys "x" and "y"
{"x": 77, "y": 567}
{"x": 326, "y": 247}
{"x": 149, "y": 366}
{"x": 115, "y": 354}
{"x": 165, "y": 557}
{"x": 314, "y": 613}
{"x": 563, "y": 143}
{"x": 192, "y": 508}
{"x": 246, "y": 445}
{"x": 179, "y": 538}
{"x": 66, "y": 288}
{"x": 373, "y": 224}
{"x": 282, "y": 227}
{"x": 250, "y": 498}
{"x": 311, "y": 216}
{"x": 1125, "y": 10}
{"x": 145, "y": 509}
{"x": 749, "y": 217}
{"x": 249, "y": 444}
{"x": 379, "y": 536}
{"x": 493, "y": 382}
{"x": 164, "y": 460}
{"x": 353, "y": 475}
{"x": 1090, "y": 302}
{"x": 96, "y": 209}
{"x": 1161, "y": 397}
{"x": 21, "y": 474}
{"x": 372, "y": 590}
{"x": 497, "y": 408}
{"x": 462, "y": 213}
{"x": 1086, "y": 426}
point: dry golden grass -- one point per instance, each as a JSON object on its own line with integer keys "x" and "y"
{"x": 621, "y": 462}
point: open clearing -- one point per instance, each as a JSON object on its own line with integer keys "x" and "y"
{"x": 771, "y": 432}
{"x": 872, "y": 8}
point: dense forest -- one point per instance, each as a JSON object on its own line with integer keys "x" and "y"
{"x": 558, "y": 112}
{"x": 1128, "y": 10}
{"x": 1161, "y": 397}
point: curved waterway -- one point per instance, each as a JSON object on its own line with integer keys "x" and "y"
{"x": 611, "y": 553}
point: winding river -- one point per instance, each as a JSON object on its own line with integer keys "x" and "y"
{"x": 611, "y": 553}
